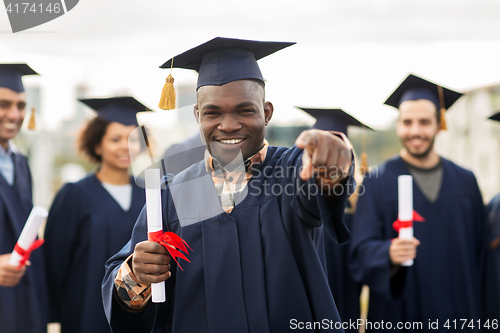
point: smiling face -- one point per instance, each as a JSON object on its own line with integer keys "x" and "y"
{"x": 233, "y": 118}
{"x": 115, "y": 145}
{"x": 12, "y": 113}
{"x": 417, "y": 127}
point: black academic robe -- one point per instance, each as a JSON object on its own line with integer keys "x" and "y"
{"x": 23, "y": 308}
{"x": 85, "y": 227}
{"x": 345, "y": 290}
{"x": 256, "y": 269}
{"x": 492, "y": 283}
{"x": 445, "y": 281}
{"x": 184, "y": 154}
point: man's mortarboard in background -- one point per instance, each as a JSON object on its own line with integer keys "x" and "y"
{"x": 338, "y": 120}
{"x": 414, "y": 88}
{"x": 495, "y": 116}
{"x": 220, "y": 61}
{"x": 117, "y": 109}
{"x": 11, "y": 77}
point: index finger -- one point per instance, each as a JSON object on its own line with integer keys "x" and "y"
{"x": 306, "y": 139}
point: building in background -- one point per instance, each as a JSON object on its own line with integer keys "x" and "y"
{"x": 472, "y": 141}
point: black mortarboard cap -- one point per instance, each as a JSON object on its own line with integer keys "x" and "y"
{"x": 11, "y": 76}
{"x": 495, "y": 116}
{"x": 223, "y": 60}
{"x": 333, "y": 119}
{"x": 117, "y": 109}
{"x": 414, "y": 88}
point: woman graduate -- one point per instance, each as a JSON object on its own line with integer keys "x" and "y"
{"x": 92, "y": 219}
{"x": 345, "y": 290}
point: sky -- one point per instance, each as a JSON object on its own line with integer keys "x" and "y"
{"x": 349, "y": 54}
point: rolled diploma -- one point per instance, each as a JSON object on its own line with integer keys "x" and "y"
{"x": 30, "y": 231}
{"x": 153, "y": 210}
{"x": 405, "y": 209}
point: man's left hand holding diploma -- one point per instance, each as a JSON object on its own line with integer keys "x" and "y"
{"x": 10, "y": 275}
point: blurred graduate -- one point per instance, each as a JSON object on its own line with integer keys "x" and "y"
{"x": 444, "y": 282}
{"x": 181, "y": 155}
{"x": 92, "y": 219}
{"x": 492, "y": 284}
{"x": 23, "y": 293}
{"x": 345, "y": 290}
{"x": 255, "y": 264}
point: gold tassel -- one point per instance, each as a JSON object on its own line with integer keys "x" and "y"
{"x": 167, "y": 100}
{"x": 442, "y": 120}
{"x": 32, "y": 124}
{"x": 364, "y": 167}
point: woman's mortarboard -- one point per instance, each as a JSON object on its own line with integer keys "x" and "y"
{"x": 220, "y": 61}
{"x": 117, "y": 109}
{"x": 414, "y": 88}
{"x": 338, "y": 120}
{"x": 333, "y": 119}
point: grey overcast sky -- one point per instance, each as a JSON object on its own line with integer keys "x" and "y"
{"x": 350, "y": 54}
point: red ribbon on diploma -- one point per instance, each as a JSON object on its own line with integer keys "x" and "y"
{"x": 398, "y": 224}
{"x": 172, "y": 243}
{"x": 25, "y": 254}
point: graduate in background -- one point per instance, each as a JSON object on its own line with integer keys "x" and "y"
{"x": 255, "y": 264}
{"x": 92, "y": 219}
{"x": 181, "y": 155}
{"x": 444, "y": 282}
{"x": 492, "y": 285}
{"x": 23, "y": 292}
{"x": 345, "y": 290}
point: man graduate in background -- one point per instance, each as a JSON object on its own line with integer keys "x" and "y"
{"x": 492, "y": 282}
{"x": 444, "y": 283}
{"x": 251, "y": 213}
{"x": 22, "y": 291}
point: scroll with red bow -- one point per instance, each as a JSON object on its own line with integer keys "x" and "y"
{"x": 27, "y": 241}
{"x": 172, "y": 242}
{"x": 406, "y": 215}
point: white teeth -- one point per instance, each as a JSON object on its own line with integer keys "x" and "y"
{"x": 9, "y": 126}
{"x": 233, "y": 141}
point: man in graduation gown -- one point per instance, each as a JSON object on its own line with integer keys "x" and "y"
{"x": 345, "y": 290}
{"x": 444, "y": 282}
{"x": 492, "y": 282}
{"x": 251, "y": 213}
{"x": 22, "y": 291}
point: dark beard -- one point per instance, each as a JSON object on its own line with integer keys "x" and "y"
{"x": 421, "y": 155}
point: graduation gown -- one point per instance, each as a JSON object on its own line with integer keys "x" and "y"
{"x": 445, "y": 281}
{"x": 492, "y": 285}
{"x": 345, "y": 290}
{"x": 256, "y": 269}
{"x": 23, "y": 307}
{"x": 85, "y": 227}
{"x": 184, "y": 154}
